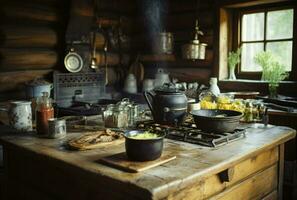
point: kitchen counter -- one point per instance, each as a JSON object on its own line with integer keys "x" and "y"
{"x": 250, "y": 168}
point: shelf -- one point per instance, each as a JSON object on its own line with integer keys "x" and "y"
{"x": 171, "y": 60}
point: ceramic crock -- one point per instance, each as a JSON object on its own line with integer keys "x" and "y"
{"x": 168, "y": 105}
{"x": 20, "y": 115}
{"x": 35, "y": 90}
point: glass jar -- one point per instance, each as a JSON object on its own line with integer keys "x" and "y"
{"x": 248, "y": 112}
{"x": 120, "y": 117}
{"x": 108, "y": 115}
{"x": 44, "y": 112}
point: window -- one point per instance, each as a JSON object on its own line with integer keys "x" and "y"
{"x": 265, "y": 30}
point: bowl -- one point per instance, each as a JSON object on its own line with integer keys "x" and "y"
{"x": 143, "y": 149}
{"x": 216, "y": 121}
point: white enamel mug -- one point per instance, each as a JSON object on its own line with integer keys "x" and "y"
{"x": 20, "y": 115}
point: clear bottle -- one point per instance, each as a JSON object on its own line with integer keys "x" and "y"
{"x": 214, "y": 88}
{"x": 44, "y": 112}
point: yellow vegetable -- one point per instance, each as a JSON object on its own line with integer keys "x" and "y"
{"x": 145, "y": 135}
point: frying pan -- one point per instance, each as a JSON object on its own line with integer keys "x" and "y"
{"x": 216, "y": 121}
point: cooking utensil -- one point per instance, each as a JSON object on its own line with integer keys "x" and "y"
{"x": 137, "y": 69}
{"x": 93, "y": 59}
{"x": 73, "y": 62}
{"x": 163, "y": 43}
{"x": 143, "y": 149}
{"x": 278, "y": 107}
{"x": 216, "y": 121}
{"x": 194, "y": 49}
{"x": 168, "y": 105}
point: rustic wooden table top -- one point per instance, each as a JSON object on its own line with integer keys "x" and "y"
{"x": 193, "y": 162}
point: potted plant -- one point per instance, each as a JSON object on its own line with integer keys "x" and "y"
{"x": 233, "y": 60}
{"x": 272, "y": 71}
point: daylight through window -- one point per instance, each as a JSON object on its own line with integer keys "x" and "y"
{"x": 270, "y": 30}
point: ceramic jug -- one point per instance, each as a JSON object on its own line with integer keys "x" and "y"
{"x": 20, "y": 115}
{"x": 160, "y": 78}
{"x": 130, "y": 85}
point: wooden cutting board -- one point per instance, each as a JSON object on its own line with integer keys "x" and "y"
{"x": 121, "y": 161}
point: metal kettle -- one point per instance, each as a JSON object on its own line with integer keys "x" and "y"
{"x": 168, "y": 105}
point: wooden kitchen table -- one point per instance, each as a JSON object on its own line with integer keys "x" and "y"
{"x": 249, "y": 168}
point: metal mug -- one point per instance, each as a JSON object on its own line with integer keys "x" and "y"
{"x": 19, "y": 115}
{"x": 56, "y": 128}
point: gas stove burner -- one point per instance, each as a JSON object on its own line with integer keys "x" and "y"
{"x": 188, "y": 132}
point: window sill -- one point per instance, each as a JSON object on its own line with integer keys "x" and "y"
{"x": 254, "y": 81}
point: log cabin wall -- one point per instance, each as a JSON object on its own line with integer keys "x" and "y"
{"x": 116, "y": 22}
{"x": 31, "y": 42}
{"x": 33, "y": 45}
{"x": 178, "y": 18}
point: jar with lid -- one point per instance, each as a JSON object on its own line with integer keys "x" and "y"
{"x": 44, "y": 112}
{"x": 120, "y": 116}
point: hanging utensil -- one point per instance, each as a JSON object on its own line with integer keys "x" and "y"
{"x": 94, "y": 60}
{"x": 105, "y": 63}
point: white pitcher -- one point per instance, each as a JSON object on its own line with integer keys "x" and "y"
{"x": 20, "y": 115}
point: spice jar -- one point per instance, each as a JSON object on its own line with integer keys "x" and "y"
{"x": 248, "y": 112}
{"x": 44, "y": 112}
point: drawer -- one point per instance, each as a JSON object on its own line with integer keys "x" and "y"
{"x": 246, "y": 169}
{"x": 255, "y": 187}
{"x": 241, "y": 171}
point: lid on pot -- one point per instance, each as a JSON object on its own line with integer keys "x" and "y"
{"x": 38, "y": 82}
{"x": 167, "y": 88}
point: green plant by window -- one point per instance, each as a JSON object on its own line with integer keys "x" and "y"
{"x": 234, "y": 58}
{"x": 272, "y": 70}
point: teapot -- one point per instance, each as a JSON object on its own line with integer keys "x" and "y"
{"x": 168, "y": 104}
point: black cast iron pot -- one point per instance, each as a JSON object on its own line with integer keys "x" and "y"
{"x": 216, "y": 121}
{"x": 143, "y": 149}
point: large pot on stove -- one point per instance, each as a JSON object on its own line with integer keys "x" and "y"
{"x": 168, "y": 104}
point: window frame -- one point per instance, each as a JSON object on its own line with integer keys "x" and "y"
{"x": 237, "y": 27}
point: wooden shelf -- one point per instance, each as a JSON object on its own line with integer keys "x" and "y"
{"x": 171, "y": 60}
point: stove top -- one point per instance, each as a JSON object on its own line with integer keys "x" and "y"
{"x": 188, "y": 132}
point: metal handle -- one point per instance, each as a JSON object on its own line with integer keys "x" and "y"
{"x": 166, "y": 109}
{"x": 149, "y": 99}
{"x": 226, "y": 175}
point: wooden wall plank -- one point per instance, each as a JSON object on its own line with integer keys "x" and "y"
{"x": 18, "y": 59}
{"x": 27, "y": 12}
{"x": 28, "y": 37}
{"x": 13, "y": 80}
